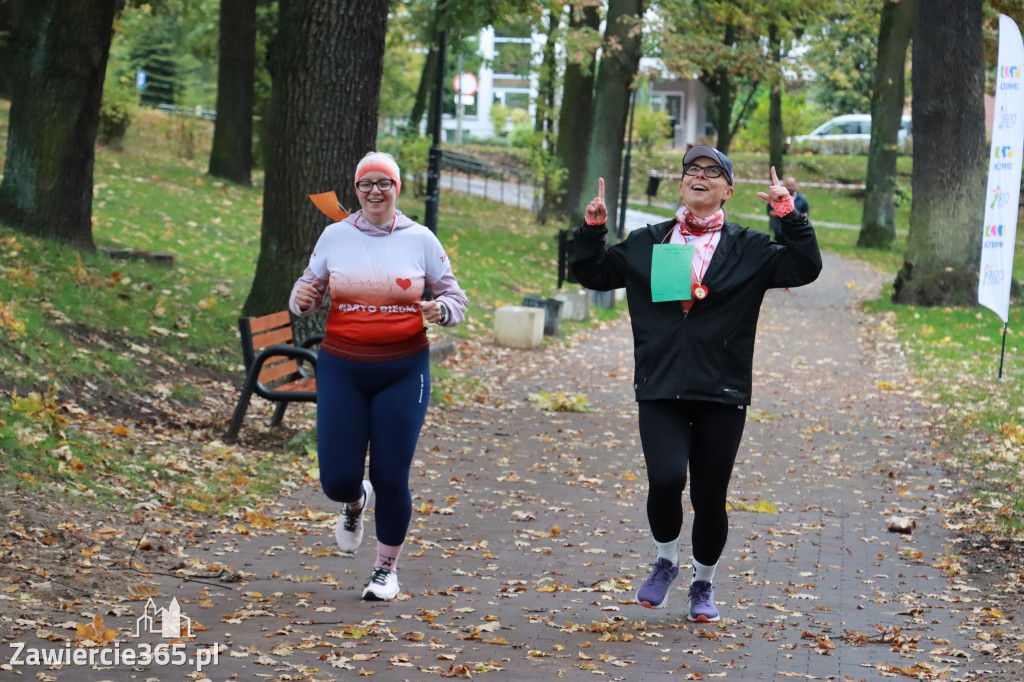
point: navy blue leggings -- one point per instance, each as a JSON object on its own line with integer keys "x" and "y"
{"x": 377, "y": 404}
{"x": 701, "y": 436}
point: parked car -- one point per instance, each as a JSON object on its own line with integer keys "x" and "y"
{"x": 847, "y": 134}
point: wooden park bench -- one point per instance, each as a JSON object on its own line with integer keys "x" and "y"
{"x": 275, "y": 366}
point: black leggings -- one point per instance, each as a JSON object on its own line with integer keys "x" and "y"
{"x": 704, "y": 436}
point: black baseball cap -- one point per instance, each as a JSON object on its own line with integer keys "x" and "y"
{"x": 712, "y": 153}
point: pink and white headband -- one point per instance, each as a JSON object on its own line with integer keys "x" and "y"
{"x": 383, "y": 163}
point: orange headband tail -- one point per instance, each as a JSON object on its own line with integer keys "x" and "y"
{"x": 329, "y": 205}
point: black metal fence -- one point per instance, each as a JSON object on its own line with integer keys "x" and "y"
{"x": 470, "y": 175}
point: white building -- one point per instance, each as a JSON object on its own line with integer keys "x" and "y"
{"x": 502, "y": 83}
{"x": 500, "y": 79}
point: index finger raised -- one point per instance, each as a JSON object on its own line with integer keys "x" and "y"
{"x": 775, "y": 177}
{"x": 600, "y": 188}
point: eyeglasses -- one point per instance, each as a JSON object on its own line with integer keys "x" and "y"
{"x": 384, "y": 184}
{"x": 710, "y": 172}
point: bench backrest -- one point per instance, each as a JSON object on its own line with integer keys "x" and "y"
{"x": 261, "y": 332}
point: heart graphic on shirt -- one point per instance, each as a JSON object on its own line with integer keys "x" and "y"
{"x": 404, "y": 283}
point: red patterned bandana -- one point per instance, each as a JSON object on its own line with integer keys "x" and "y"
{"x": 696, "y": 225}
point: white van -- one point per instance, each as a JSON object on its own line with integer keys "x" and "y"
{"x": 847, "y": 134}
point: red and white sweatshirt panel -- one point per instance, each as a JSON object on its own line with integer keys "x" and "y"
{"x": 376, "y": 277}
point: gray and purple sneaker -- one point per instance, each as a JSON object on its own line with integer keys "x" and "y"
{"x": 654, "y": 592}
{"x": 702, "y": 603}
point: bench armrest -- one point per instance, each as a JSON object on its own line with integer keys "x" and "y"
{"x": 300, "y": 354}
{"x": 313, "y": 340}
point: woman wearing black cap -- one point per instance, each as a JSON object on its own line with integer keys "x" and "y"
{"x": 694, "y": 286}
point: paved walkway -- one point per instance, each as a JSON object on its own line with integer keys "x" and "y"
{"x": 529, "y": 535}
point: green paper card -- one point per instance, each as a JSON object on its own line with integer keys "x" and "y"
{"x": 670, "y": 272}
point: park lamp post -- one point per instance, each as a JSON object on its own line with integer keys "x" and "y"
{"x": 621, "y": 227}
{"x": 434, "y": 159}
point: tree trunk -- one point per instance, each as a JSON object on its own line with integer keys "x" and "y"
{"x": 547, "y": 75}
{"x": 326, "y": 73}
{"x": 721, "y": 85}
{"x": 574, "y": 120}
{"x": 544, "y": 122}
{"x": 950, "y": 161}
{"x": 878, "y": 222}
{"x": 620, "y": 58}
{"x": 423, "y": 92}
{"x": 231, "y": 157}
{"x": 6, "y": 51}
{"x": 60, "y": 53}
{"x": 776, "y": 136}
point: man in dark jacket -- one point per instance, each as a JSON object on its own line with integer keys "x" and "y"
{"x": 694, "y": 286}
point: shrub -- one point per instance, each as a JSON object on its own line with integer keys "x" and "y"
{"x": 115, "y": 118}
{"x": 116, "y": 112}
{"x": 499, "y": 118}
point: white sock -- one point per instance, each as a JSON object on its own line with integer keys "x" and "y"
{"x": 668, "y": 550}
{"x": 702, "y": 572}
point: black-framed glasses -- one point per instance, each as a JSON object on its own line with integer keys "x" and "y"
{"x": 384, "y": 184}
{"x": 710, "y": 172}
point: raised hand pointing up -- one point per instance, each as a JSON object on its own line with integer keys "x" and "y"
{"x": 597, "y": 212}
{"x": 776, "y": 190}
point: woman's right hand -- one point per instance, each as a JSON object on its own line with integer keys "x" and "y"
{"x": 597, "y": 212}
{"x": 305, "y": 296}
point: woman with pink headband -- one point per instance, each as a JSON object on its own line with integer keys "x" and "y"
{"x": 373, "y": 369}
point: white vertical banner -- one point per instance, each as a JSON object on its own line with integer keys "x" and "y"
{"x": 1004, "y": 170}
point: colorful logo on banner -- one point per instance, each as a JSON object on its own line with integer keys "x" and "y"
{"x": 991, "y": 277}
{"x": 1003, "y": 190}
{"x": 1006, "y": 119}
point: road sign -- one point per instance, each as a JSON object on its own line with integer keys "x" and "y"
{"x": 140, "y": 79}
{"x": 465, "y": 100}
{"x": 465, "y": 84}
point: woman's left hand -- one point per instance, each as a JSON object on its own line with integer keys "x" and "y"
{"x": 431, "y": 311}
{"x": 776, "y": 190}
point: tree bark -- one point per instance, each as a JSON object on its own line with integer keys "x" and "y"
{"x": 6, "y": 51}
{"x": 620, "y": 59}
{"x": 60, "y": 53}
{"x": 878, "y": 222}
{"x": 941, "y": 263}
{"x": 326, "y": 72}
{"x": 231, "y": 156}
{"x": 574, "y": 120}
